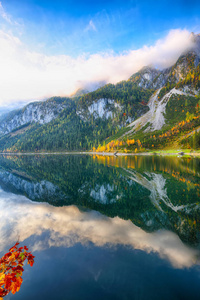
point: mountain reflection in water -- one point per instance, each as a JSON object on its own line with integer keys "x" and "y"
{"x": 69, "y": 225}
{"x": 103, "y": 227}
{"x": 153, "y": 192}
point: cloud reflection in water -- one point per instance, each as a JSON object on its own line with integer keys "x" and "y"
{"x": 68, "y": 225}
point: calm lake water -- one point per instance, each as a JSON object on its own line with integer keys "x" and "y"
{"x": 103, "y": 227}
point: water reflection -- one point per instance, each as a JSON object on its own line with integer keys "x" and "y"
{"x": 68, "y": 225}
{"x": 153, "y": 192}
{"x": 156, "y": 184}
{"x": 103, "y": 227}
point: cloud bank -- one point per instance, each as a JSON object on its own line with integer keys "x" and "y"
{"x": 26, "y": 75}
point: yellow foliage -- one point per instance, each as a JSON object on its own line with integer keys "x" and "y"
{"x": 130, "y": 142}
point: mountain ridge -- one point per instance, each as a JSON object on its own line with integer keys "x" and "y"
{"x": 139, "y": 105}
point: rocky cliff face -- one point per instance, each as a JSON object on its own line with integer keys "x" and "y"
{"x": 175, "y": 80}
{"x": 41, "y": 112}
{"x": 152, "y": 78}
{"x": 101, "y": 108}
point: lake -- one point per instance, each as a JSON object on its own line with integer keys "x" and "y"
{"x": 103, "y": 227}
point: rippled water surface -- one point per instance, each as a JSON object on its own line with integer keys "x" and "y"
{"x": 103, "y": 227}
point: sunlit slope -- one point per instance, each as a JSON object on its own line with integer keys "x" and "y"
{"x": 154, "y": 109}
{"x": 173, "y": 118}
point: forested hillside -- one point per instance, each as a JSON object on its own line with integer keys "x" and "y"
{"x": 153, "y": 109}
{"x": 173, "y": 119}
{"x": 79, "y": 128}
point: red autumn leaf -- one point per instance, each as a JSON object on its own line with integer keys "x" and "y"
{"x": 11, "y": 269}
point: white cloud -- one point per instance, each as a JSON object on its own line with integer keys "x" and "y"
{"x": 91, "y": 26}
{"x": 4, "y": 15}
{"x": 26, "y": 75}
{"x": 68, "y": 226}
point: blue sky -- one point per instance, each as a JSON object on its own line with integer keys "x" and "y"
{"x": 52, "y": 48}
{"x": 76, "y": 27}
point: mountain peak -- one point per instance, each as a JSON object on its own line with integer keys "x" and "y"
{"x": 147, "y": 69}
{"x": 195, "y": 38}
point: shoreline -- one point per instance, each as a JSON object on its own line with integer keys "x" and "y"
{"x": 107, "y": 153}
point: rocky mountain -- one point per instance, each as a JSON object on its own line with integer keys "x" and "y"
{"x": 150, "y": 78}
{"x": 78, "y": 123}
{"x": 180, "y": 79}
{"x": 151, "y": 100}
{"x": 102, "y": 108}
{"x": 36, "y": 112}
{"x": 88, "y": 88}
